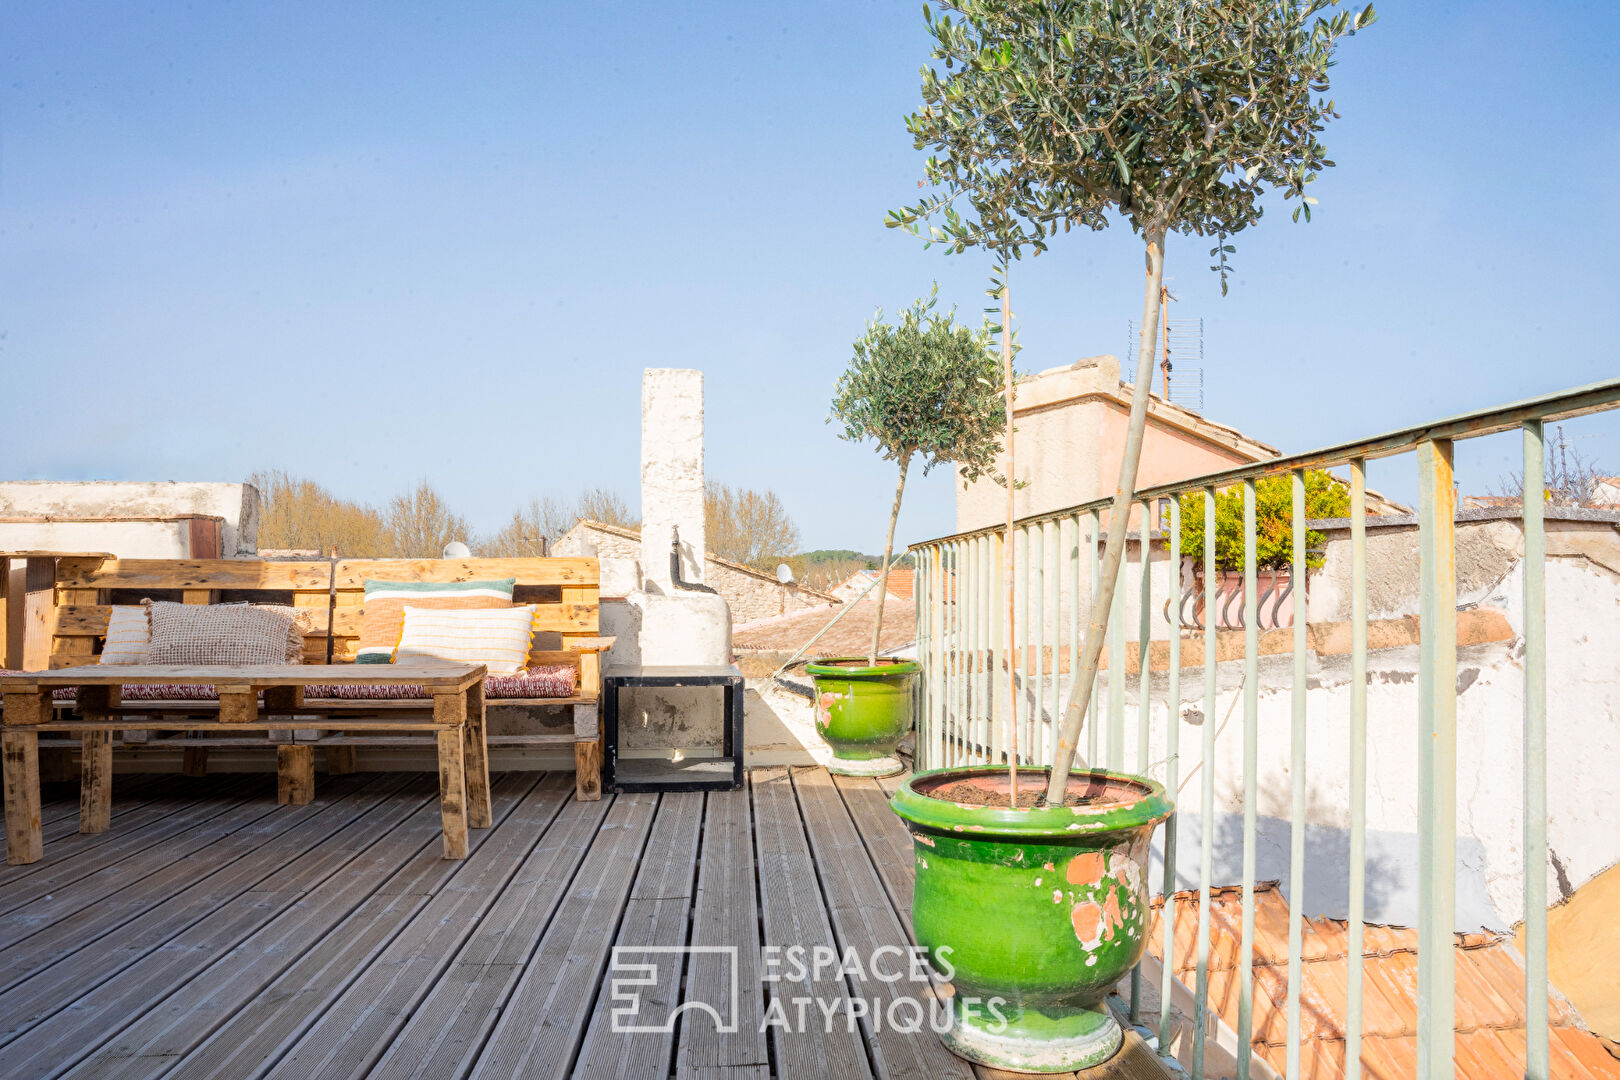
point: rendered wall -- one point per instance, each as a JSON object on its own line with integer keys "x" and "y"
{"x": 138, "y": 503}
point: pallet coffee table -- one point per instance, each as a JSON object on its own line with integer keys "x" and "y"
{"x": 452, "y": 705}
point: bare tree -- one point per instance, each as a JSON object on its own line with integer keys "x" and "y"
{"x": 295, "y": 512}
{"x": 608, "y": 507}
{"x": 1572, "y": 479}
{"x": 747, "y": 526}
{"x": 531, "y": 531}
{"x": 420, "y": 523}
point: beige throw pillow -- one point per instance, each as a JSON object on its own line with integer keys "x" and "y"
{"x": 215, "y": 634}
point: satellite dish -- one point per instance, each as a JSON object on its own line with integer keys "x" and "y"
{"x": 455, "y": 549}
{"x": 784, "y": 573}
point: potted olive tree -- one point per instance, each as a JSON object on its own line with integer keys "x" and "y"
{"x": 927, "y": 387}
{"x": 1171, "y": 117}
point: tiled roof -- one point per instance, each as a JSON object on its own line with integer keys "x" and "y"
{"x": 853, "y": 634}
{"x": 1489, "y": 1002}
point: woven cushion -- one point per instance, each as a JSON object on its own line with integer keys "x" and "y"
{"x": 218, "y": 634}
{"x": 382, "y": 618}
{"x": 303, "y": 622}
{"x": 496, "y": 638}
{"x": 129, "y": 631}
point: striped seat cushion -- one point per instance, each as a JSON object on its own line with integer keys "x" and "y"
{"x": 129, "y": 632}
{"x": 383, "y": 615}
{"x": 498, "y": 639}
{"x": 543, "y": 681}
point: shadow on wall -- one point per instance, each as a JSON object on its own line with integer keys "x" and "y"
{"x": 1391, "y": 879}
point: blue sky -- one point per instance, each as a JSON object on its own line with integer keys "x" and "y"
{"x": 375, "y": 243}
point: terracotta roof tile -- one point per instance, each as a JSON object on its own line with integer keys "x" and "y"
{"x": 1489, "y": 1006}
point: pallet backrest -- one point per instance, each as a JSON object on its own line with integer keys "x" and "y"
{"x": 566, "y": 591}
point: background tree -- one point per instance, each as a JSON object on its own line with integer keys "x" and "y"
{"x": 530, "y": 533}
{"x": 1325, "y": 497}
{"x": 747, "y": 526}
{"x": 1176, "y": 116}
{"x": 608, "y": 507}
{"x": 420, "y": 523}
{"x": 928, "y": 386}
{"x": 298, "y": 513}
{"x": 1572, "y": 479}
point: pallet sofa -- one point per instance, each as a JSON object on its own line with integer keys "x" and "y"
{"x": 566, "y": 591}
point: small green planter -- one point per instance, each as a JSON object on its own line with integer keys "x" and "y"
{"x": 1034, "y": 914}
{"x": 863, "y": 711}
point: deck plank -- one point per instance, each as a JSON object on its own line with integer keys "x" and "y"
{"x": 865, "y": 920}
{"x": 132, "y": 808}
{"x": 344, "y": 1019}
{"x": 79, "y": 855}
{"x": 540, "y": 1029}
{"x": 725, "y": 913}
{"x": 197, "y": 940}
{"x": 148, "y": 912}
{"x": 237, "y": 1013}
{"x": 50, "y": 900}
{"x": 448, "y": 1029}
{"x": 655, "y": 919}
{"x": 795, "y": 917}
{"x": 888, "y": 841}
{"x": 304, "y": 854}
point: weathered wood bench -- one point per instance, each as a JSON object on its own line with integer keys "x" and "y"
{"x": 566, "y": 591}
{"x": 234, "y": 704}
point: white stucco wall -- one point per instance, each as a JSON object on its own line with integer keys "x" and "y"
{"x": 108, "y": 500}
{"x": 1583, "y": 624}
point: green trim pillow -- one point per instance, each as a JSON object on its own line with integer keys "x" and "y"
{"x": 382, "y": 618}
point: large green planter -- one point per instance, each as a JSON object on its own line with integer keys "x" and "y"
{"x": 1033, "y": 914}
{"x": 863, "y": 711}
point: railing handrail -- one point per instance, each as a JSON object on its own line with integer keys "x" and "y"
{"x": 1562, "y": 405}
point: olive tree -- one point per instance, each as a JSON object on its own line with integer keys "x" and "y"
{"x": 1173, "y": 116}
{"x": 927, "y": 387}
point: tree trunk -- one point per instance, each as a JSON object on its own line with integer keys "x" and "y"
{"x": 888, "y": 556}
{"x": 1119, "y": 515}
{"x": 1007, "y": 559}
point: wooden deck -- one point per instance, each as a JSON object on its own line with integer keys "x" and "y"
{"x": 211, "y": 933}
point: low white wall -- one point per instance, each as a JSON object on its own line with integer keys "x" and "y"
{"x": 132, "y": 501}
{"x": 1583, "y": 721}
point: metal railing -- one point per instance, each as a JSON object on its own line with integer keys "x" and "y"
{"x": 966, "y": 708}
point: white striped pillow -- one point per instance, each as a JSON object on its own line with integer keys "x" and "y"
{"x": 498, "y": 638}
{"x": 129, "y": 632}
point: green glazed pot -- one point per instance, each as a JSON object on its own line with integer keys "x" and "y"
{"x": 1033, "y": 915}
{"x": 863, "y": 711}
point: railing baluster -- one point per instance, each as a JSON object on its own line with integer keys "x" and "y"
{"x": 1144, "y": 695}
{"x": 1296, "y": 773}
{"x": 1116, "y": 678}
{"x": 936, "y": 678}
{"x": 1054, "y": 609}
{"x": 1251, "y": 754}
{"x": 982, "y": 646}
{"x": 967, "y": 591}
{"x": 1096, "y": 576}
{"x": 1037, "y": 618}
{"x": 1437, "y": 762}
{"x": 1358, "y": 764}
{"x": 1003, "y": 698}
{"x": 1172, "y": 771}
{"x": 1535, "y": 754}
{"x": 1206, "y": 853}
{"x": 1074, "y": 613}
{"x": 963, "y": 717}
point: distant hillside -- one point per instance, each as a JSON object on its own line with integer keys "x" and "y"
{"x": 828, "y": 568}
